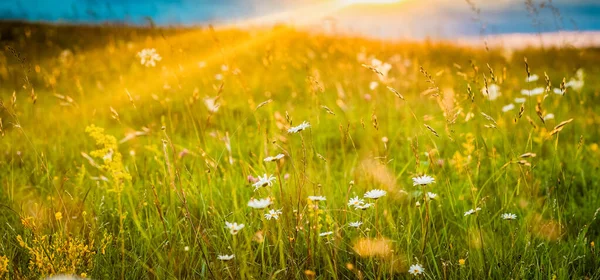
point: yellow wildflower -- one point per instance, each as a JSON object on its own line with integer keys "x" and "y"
{"x": 109, "y": 153}
{"x": 59, "y": 255}
{"x": 3, "y": 266}
{"x": 28, "y": 223}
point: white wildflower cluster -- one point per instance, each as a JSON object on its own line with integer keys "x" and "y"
{"x": 423, "y": 181}
{"x": 492, "y": 92}
{"x": 264, "y": 181}
{"x": 360, "y": 204}
{"x": 382, "y": 68}
{"x": 508, "y": 107}
{"x": 533, "y": 92}
{"x": 532, "y": 78}
{"x": 576, "y": 83}
{"x": 256, "y": 203}
{"x": 149, "y": 57}
{"x": 356, "y": 202}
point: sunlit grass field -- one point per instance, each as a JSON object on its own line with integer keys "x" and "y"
{"x": 113, "y": 169}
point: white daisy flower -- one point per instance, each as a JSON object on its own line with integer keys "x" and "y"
{"x": 296, "y": 129}
{"x": 492, "y": 92}
{"x": 508, "y": 216}
{"x": 416, "y": 269}
{"x": 472, "y": 211}
{"x": 234, "y": 228}
{"x": 363, "y": 206}
{"x": 508, "y": 107}
{"x": 431, "y": 195}
{"x": 225, "y": 257}
{"x": 260, "y": 203}
{"x": 326, "y": 233}
{"x": 273, "y": 214}
{"x": 275, "y": 158}
{"x": 375, "y": 194}
{"x": 355, "y": 224}
{"x": 532, "y": 78}
{"x": 382, "y": 67}
{"x": 149, "y": 57}
{"x": 549, "y": 117}
{"x": 423, "y": 180}
{"x": 211, "y": 104}
{"x": 533, "y": 92}
{"x": 263, "y": 181}
{"x": 355, "y": 201}
{"x": 317, "y": 198}
{"x": 558, "y": 91}
{"x": 520, "y": 100}
{"x": 575, "y": 84}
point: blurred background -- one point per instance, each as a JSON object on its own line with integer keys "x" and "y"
{"x": 403, "y": 19}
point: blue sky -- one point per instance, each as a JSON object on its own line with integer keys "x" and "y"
{"x": 413, "y": 18}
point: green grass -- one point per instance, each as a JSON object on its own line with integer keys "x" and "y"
{"x": 161, "y": 212}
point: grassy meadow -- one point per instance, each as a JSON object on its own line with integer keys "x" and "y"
{"x": 112, "y": 169}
